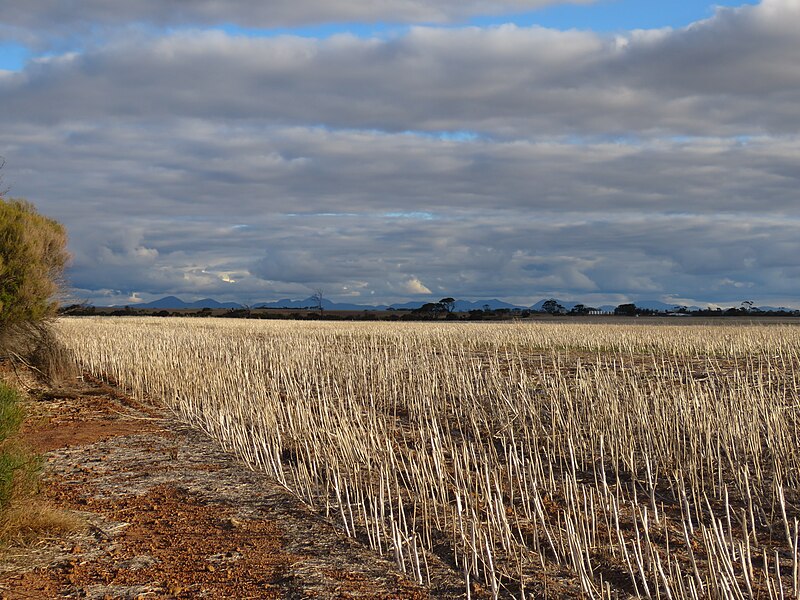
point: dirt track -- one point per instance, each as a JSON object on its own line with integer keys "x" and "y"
{"x": 169, "y": 515}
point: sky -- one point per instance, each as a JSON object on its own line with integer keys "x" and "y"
{"x": 597, "y": 150}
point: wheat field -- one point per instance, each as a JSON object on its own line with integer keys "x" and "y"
{"x": 537, "y": 460}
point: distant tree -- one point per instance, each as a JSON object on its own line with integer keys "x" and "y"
{"x": 83, "y": 309}
{"x": 430, "y": 310}
{"x": 448, "y": 303}
{"x": 433, "y": 307}
{"x": 747, "y": 305}
{"x": 552, "y": 307}
{"x": 626, "y": 310}
{"x": 581, "y": 309}
{"x": 318, "y": 296}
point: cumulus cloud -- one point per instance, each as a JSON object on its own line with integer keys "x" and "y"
{"x": 733, "y": 74}
{"x": 414, "y": 286}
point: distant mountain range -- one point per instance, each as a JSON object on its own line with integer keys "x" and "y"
{"x": 174, "y": 303}
{"x": 312, "y": 303}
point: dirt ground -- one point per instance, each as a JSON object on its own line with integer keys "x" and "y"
{"x": 168, "y": 514}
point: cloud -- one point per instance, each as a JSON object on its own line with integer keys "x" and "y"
{"x": 414, "y": 286}
{"x": 59, "y": 16}
{"x": 253, "y": 214}
{"x": 733, "y": 74}
{"x": 509, "y": 162}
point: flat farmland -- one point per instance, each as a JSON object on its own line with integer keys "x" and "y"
{"x": 597, "y": 460}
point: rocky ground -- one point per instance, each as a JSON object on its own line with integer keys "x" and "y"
{"x": 169, "y": 515}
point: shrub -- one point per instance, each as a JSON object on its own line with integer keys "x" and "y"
{"x": 24, "y": 515}
{"x": 13, "y": 461}
{"x": 32, "y": 259}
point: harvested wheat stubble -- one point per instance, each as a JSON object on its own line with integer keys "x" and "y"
{"x": 536, "y": 460}
{"x": 171, "y": 515}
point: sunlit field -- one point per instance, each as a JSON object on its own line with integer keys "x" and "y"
{"x": 537, "y": 460}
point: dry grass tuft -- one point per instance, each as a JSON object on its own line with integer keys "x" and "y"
{"x": 29, "y": 519}
{"x": 52, "y": 359}
{"x": 37, "y": 347}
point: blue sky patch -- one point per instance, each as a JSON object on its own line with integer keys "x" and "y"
{"x": 13, "y": 57}
{"x": 615, "y": 15}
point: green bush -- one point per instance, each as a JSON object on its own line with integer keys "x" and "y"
{"x": 32, "y": 259}
{"x": 18, "y": 471}
{"x": 18, "y": 467}
{"x": 10, "y": 412}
